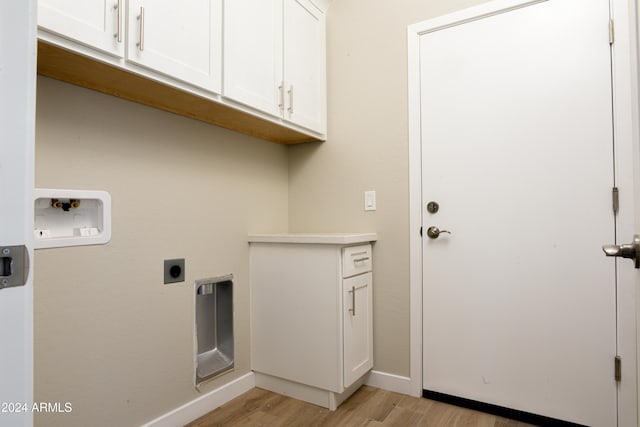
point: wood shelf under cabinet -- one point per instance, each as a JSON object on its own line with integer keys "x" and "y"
{"x": 61, "y": 64}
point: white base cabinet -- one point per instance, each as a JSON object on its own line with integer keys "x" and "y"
{"x": 311, "y": 315}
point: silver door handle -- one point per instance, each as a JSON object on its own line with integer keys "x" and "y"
{"x": 290, "y": 92}
{"x": 630, "y": 251}
{"x": 141, "y": 39}
{"x": 353, "y": 297}
{"x": 434, "y": 232}
{"x": 353, "y": 301}
{"x": 118, "y": 8}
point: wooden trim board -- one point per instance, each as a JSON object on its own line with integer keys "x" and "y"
{"x": 62, "y": 64}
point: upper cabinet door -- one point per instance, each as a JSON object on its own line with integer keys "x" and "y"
{"x": 95, "y": 23}
{"x": 304, "y": 64}
{"x": 253, "y": 53}
{"x": 180, "y": 39}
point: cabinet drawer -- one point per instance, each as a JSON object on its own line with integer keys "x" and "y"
{"x": 356, "y": 260}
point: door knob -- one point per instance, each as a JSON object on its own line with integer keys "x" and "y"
{"x": 433, "y": 232}
{"x": 631, "y": 251}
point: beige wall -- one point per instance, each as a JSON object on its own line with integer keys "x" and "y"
{"x": 367, "y": 149}
{"x": 115, "y": 341}
{"x": 109, "y": 337}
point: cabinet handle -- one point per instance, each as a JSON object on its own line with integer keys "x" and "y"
{"x": 353, "y": 301}
{"x": 290, "y": 92}
{"x": 361, "y": 259}
{"x": 353, "y": 290}
{"x": 118, "y": 9}
{"x": 140, "y": 43}
{"x": 281, "y": 92}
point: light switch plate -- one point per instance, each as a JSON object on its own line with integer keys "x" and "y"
{"x": 369, "y": 200}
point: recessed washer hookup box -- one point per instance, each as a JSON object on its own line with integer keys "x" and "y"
{"x": 71, "y": 218}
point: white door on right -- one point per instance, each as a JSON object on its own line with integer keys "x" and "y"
{"x": 519, "y": 305}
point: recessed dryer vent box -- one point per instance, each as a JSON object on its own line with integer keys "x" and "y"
{"x": 214, "y": 327}
{"x": 71, "y": 218}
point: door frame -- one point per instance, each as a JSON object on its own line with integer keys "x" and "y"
{"x": 627, "y": 176}
{"x": 17, "y": 134}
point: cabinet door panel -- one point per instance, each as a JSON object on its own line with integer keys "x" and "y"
{"x": 358, "y": 327}
{"x": 179, "y": 39}
{"x": 304, "y": 61}
{"x": 253, "y": 53}
{"x": 90, "y": 22}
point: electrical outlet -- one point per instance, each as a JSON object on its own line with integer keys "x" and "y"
{"x": 173, "y": 270}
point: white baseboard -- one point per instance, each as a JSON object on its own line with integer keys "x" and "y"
{"x": 206, "y": 403}
{"x": 218, "y": 397}
{"x": 390, "y": 382}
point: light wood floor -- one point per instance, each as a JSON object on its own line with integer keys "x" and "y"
{"x": 367, "y": 407}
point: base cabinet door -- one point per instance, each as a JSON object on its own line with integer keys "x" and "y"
{"x": 95, "y": 23}
{"x": 358, "y": 326}
{"x": 180, "y": 39}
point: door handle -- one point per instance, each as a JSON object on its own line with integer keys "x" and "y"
{"x": 353, "y": 290}
{"x": 290, "y": 92}
{"x": 118, "y": 8}
{"x": 353, "y": 300}
{"x": 630, "y": 251}
{"x": 140, "y": 43}
{"x": 434, "y": 232}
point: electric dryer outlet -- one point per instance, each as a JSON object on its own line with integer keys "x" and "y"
{"x": 174, "y": 271}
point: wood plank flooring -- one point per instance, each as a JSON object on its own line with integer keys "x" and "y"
{"x": 367, "y": 407}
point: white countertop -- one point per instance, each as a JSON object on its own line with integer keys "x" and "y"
{"x": 320, "y": 238}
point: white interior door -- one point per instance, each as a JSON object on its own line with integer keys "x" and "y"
{"x": 17, "y": 115}
{"x": 519, "y": 305}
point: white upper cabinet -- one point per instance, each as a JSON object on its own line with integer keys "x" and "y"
{"x": 304, "y": 64}
{"x": 274, "y": 59}
{"x": 95, "y": 23}
{"x": 179, "y": 39}
{"x": 268, "y": 54}
{"x": 253, "y": 53}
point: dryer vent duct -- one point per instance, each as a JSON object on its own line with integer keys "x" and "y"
{"x": 214, "y": 327}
